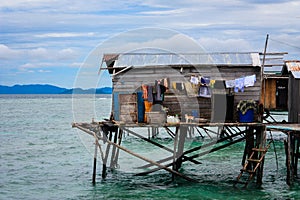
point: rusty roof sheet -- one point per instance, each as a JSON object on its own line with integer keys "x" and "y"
{"x": 294, "y": 67}
{"x": 110, "y": 57}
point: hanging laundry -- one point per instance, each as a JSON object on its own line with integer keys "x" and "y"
{"x": 204, "y": 91}
{"x": 230, "y": 83}
{"x": 212, "y": 83}
{"x": 206, "y": 80}
{"x": 250, "y": 81}
{"x": 163, "y": 89}
{"x": 157, "y": 96}
{"x": 239, "y": 85}
{"x": 160, "y": 90}
{"x": 166, "y": 82}
{"x": 145, "y": 91}
{"x": 150, "y": 93}
{"x": 194, "y": 80}
{"x": 189, "y": 89}
{"x": 174, "y": 85}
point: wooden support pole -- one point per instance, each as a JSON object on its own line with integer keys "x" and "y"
{"x": 293, "y": 144}
{"x": 180, "y": 149}
{"x": 118, "y": 150}
{"x": 169, "y": 131}
{"x": 199, "y": 132}
{"x": 249, "y": 144}
{"x": 113, "y": 152}
{"x": 296, "y": 156}
{"x": 95, "y": 163}
{"x": 104, "y": 167}
{"x": 260, "y": 143}
{"x": 289, "y": 178}
{"x": 175, "y": 151}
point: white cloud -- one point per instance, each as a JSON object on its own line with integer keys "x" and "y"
{"x": 8, "y": 53}
{"x": 229, "y": 45}
{"x": 39, "y": 53}
{"x": 44, "y": 71}
{"x": 163, "y": 12}
{"x": 64, "y": 35}
{"x": 67, "y": 54}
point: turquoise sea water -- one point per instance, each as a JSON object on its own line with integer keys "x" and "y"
{"x": 42, "y": 157}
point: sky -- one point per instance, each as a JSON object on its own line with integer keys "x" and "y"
{"x": 61, "y": 42}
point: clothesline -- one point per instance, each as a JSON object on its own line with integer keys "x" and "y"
{"x": 240, "y": 83}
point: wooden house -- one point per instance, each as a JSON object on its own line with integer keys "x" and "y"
{"x": 275, "y": 82}
{"x": 294, "y": 91}
{"x": 149, "y": 86}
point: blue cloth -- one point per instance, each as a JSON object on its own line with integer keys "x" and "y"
{"x": 239, "y": 85}
{"x": 150, "y": 93}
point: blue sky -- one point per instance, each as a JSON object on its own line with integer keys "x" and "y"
{"x": 59, "y": 41}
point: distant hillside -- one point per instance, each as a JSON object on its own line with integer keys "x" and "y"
{"x": 49, "y": 89}
{"x": 105, "y": 90}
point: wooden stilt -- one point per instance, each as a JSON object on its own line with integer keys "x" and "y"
{"x": 175, "y": 151}
{"x": 115, "y": 161}
{"x": 170, "y": 132}
{"x": 199, "y": 132}
{"x": 180, "y": 149}
{"x": 249, "y": 144}
{"x": 104, "y": 167}
{"x": 288, "y": 160}
{"x": 113, "y": 153}
{"x": 296, "y": 156}
{"x": 148, "y": 128}
{"x": 95, "y": 163}
{"x": 260, "y": 143}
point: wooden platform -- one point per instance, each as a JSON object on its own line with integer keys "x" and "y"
{"x": 284, "y": 127}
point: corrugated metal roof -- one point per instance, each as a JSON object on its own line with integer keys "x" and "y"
{"x": 147, "y": 59}
{"x": 294, "y": 67}
{"x": 296, "y": 74}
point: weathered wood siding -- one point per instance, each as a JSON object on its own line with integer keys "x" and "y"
{"x": 269, "y": 99}
{"x": 180, "y": 103}
{"x": 293, "y": 100}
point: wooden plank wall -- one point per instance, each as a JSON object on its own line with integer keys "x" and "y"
{"x": 269, "y": 99}
{"x": 131, "y": 80}
{"x": 293, "y": 100}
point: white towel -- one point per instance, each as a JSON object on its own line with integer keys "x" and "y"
{"x": 250, "y": 81}
{"x": 230, "y": 83}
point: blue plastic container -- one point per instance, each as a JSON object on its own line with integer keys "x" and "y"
{"x": 247, "y": 117}
{"x": 140, "y": 107}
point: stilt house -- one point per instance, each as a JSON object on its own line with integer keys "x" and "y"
{"x": 275, "y": 82}
{"x": 148, "y": 87}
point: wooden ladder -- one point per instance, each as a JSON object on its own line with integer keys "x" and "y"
{"x": 252, "y": 164}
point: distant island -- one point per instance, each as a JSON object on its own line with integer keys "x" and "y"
{"x": 50, "y": 89}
